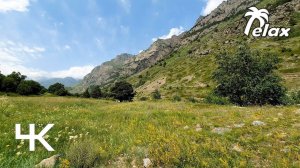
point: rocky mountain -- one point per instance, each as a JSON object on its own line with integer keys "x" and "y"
{"x": 68, "y": 81}
{"x": 183, "y": 65}
{"x": 125, "y": 65}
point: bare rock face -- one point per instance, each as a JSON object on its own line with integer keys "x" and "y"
{"x": 48, "y": 163}
{"x": 225, "y": 9}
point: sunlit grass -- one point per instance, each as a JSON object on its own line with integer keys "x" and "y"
{"x": 163, "y": 131}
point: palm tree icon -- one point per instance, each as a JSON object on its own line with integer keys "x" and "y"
{"x": 262, "y": 15}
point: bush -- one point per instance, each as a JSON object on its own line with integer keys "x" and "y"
{"x": 1, "y": 80}
{"x": 86, "y": 94}
{"x": 29, "y": 88}
{"x": 143, "y": 99}
{"x": 83, "y": 154}
{"x": 192, "y": 99}
{"x": 291, "y": 98}
{"x": 248, "y": 78}
{"x": 215, "y": 99}
{"x": 156, "y": 95}
{"x": 9, "y": 85}
{"x": 58, "y": 89}
{"x": 122, "y": 91}
{"x": 176, "y": 98}
{"x": 95, "y": 92}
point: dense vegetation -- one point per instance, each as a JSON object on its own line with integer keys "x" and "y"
{"x": 248, "y": 78}
{"x": 16, "y": 83}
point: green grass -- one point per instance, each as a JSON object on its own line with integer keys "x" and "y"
{"x": 162, "y": 130}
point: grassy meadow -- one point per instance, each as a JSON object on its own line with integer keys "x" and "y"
{"x": 170, "y": 134}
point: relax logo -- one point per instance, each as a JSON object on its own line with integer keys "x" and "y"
{"x": 262, "y": 15}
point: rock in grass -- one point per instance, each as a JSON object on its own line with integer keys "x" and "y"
{"x": 220, "y": 130}
{"x": 258, "y": 123}
{"x": 186, "y": 127}
{"x": 239, "y": 125}
{"x": 198, "y": 128}
{"x": 297, "y": 112}
{"x": 49, "y": 162}
{"x": 147, "y": 162}
{"x": 237, "y": 148}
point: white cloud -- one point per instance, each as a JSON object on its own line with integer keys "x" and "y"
{"x": 126, "y": 5}
{"x": 211, "y": 5}
{"x": 14, "y": 56}
{"x": 77, "y": 72}
{"x": 14, "y": 5}
{"x": 172, "y": 32}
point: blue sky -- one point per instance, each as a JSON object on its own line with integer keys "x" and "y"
{"x": 60, "y": 38}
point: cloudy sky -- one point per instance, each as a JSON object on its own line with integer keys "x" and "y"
{"x": 67, "y": 38}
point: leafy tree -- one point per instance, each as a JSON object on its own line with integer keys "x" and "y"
{"x": 86, "y": 94}
{"x": 122, "y": 91}
{"x": 156, "y": 95}
{"x": 95, "y": 92}
{"x": 10, "y": 82}
{"x": 9, "y": 85}
{"x": 248, "y": 78}
{"x": 17, "y": 76}
{"x": 2, "y": 77}
{"x": 29, "y": 87}
{"x": 58, "y": 89}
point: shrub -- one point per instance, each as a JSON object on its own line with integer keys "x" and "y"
{"x": 248, "y": 78}
{"x": 215, "y": 99}
{"x": 29, "y": 88}
{"x": 95, "y": 92}
{"x": 291, "y": 98}
{"x": 58, "y": 89}
{"x": 83, "y": 154}
{"x": 143, "y": 99}
{"x": 86, "y": 94}
{"x": 192, "y": 99}
{"x": 1, "y": 80}
{"x": 122, "y": 91}
{"x": 176, "y": 98}
{"x": 9, "y": 85}
{"x": 156, "y": 95}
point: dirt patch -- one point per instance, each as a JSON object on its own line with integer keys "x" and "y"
{"x": 152, "y": 86}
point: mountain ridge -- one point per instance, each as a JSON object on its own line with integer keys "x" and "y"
{"x": 183, "y": 64}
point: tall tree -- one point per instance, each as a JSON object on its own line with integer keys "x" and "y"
{"x": 58, "y": 89}
{"x": 248, "y": 78}
{"x": 122, "y": 91}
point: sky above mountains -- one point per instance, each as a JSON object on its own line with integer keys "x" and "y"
{"x": 67, "y": 38}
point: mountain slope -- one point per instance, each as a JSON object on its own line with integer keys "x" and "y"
{"x": 183, "y": 65}
{"x": 68, "y": 81}
{"x": 187, "y": 72}
{"x": 126, "y": 65}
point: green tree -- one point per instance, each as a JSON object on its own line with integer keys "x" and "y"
{"x": 156, "y": 95}
{"x": 17, "y": 76}
{"x": 95, "y": 92}
{"x": 9, "y": 85}
{"x": 86, "y": 94}
{"x": 29, "y": 87}
{"x": 122, "y": 91}
{"x": 248, "y": 78}
{"x": 58, "y": 89}
{"x": 10, "y": 82}
{"x": 2, "y": 77}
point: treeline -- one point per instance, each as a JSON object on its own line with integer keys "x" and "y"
{"x": 17, "y": 83}
{"x": 122, "y": 91}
